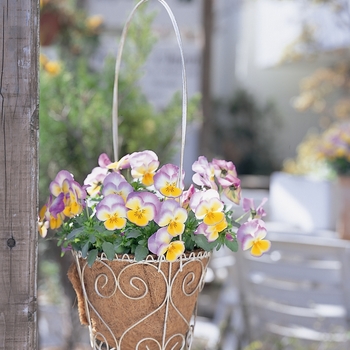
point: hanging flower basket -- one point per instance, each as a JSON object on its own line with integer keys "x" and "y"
{"x": 139, "y": 305}
{"x": 141, "y": 243}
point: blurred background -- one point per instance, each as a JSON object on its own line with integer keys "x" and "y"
{"x": 268, "y": 85}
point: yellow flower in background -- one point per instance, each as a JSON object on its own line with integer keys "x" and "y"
{"x": 50, "y": 66}
{"x": 43, "y": 59}
{"x": 53, "y": 67}
{"x": 94, "y": 22}
{"x": 309, "y": 158}
{"x": 43, "y": 3}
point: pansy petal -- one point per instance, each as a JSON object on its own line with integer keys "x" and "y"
{"x": 164, "y": 218}
{"x": 176, "y": 228}
{"x": 233, "y": 194}
{"x": 147, "y": 179}
{"x": 55, "y": 188}
{"x": 213, "y": 218}
{"x": 115, "y": 222}
{"x": 247, "y": 242}
{"x": 248, "y": 204}
{"x": 213, "y": 236}
{"x": 103, "y": 160}
{"x": 216, "y": 205}
{"x": 260, "y": 247}
{"x": 103, "y": 212}
{"x": 260, "y": 232}
{"x": 180, "y": 215}
{"x": 112, "y": 200}
{"x": 202, "y": 210}
{"x": 114, "y": 178}
{"x": 171, "y": 191}
{"x": 175, "y": 249}
{"x": 201, "y": 229}
{"x": 57, "y": 205}
{"x": 158, "y": 243}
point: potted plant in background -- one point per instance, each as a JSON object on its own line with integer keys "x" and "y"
{"x": 311, "y": 179}
{"x": 322, "y": 157}
{"x": 302, "y": 195}
{"x": 142, "y": 243}
{"x": 334, "y": 148}
{"x": 318, "y": 179}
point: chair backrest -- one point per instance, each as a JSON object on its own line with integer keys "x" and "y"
{"x": 300, "y": 289}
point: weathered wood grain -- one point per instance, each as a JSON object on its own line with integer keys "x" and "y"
{"x": 18, "y": 172}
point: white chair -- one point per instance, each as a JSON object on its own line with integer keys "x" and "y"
{"x": 299, "y": 290}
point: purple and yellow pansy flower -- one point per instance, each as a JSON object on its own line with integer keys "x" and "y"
{"x": 208, "y": 207}
{"x": 166, "y": 181}
{"x": 115, "y": 183}
{"x": 211, "y": 232}
{"x": 173, "y": 216}
{"x": 142, "y": 207}
{"x": 143, "y": 166}
{"x": 94, "y": 180}
{"x": 251, "y": 235}
{"x": 111, "y": 210}
{"x": 161, "y": 243}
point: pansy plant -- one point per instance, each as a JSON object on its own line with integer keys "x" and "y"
{"x": 135, "y": 206}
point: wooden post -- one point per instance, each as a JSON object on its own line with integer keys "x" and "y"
{"x": 206, "y": 137}
{"x": 19, "y": 40}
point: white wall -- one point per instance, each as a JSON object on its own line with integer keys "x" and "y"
{"x": 162, "y": 71}
{"x": 261, "y": 42}
{"x": 248, "y": 38}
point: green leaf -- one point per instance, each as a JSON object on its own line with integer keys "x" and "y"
{"x": 85, "y": 249}
{"x": 80, "y": 220}
{"x": 127, "y": 243}
{"x": 92, "y": 239}
{"x": 203, "y": 243}
{"x": 232, "y": 245}
{"x": 108, "y": 248}
{"x": 189, "y": 243}
{"x": 118, "y": 241}
{"x": 75, "y": 232}
{"x": 133, "y": 233}
{"x": 120, "y": 249}
{"x": 76, "y": 246}
{"x": 101, "y": 229}
{"x": 92, "y": 256}
{"x": 140, "y": 253}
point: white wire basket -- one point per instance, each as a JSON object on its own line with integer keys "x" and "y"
{"x": 145, "y": 305}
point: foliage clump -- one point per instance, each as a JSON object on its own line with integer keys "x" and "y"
{"x": 76, "y": 106}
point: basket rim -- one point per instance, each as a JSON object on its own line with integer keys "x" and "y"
{"x": 186, "y": 256}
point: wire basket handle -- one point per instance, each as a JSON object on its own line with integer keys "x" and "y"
{"x": 184, "y": 81}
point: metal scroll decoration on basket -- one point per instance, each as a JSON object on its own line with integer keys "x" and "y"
{"x": 146, "y": 305}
